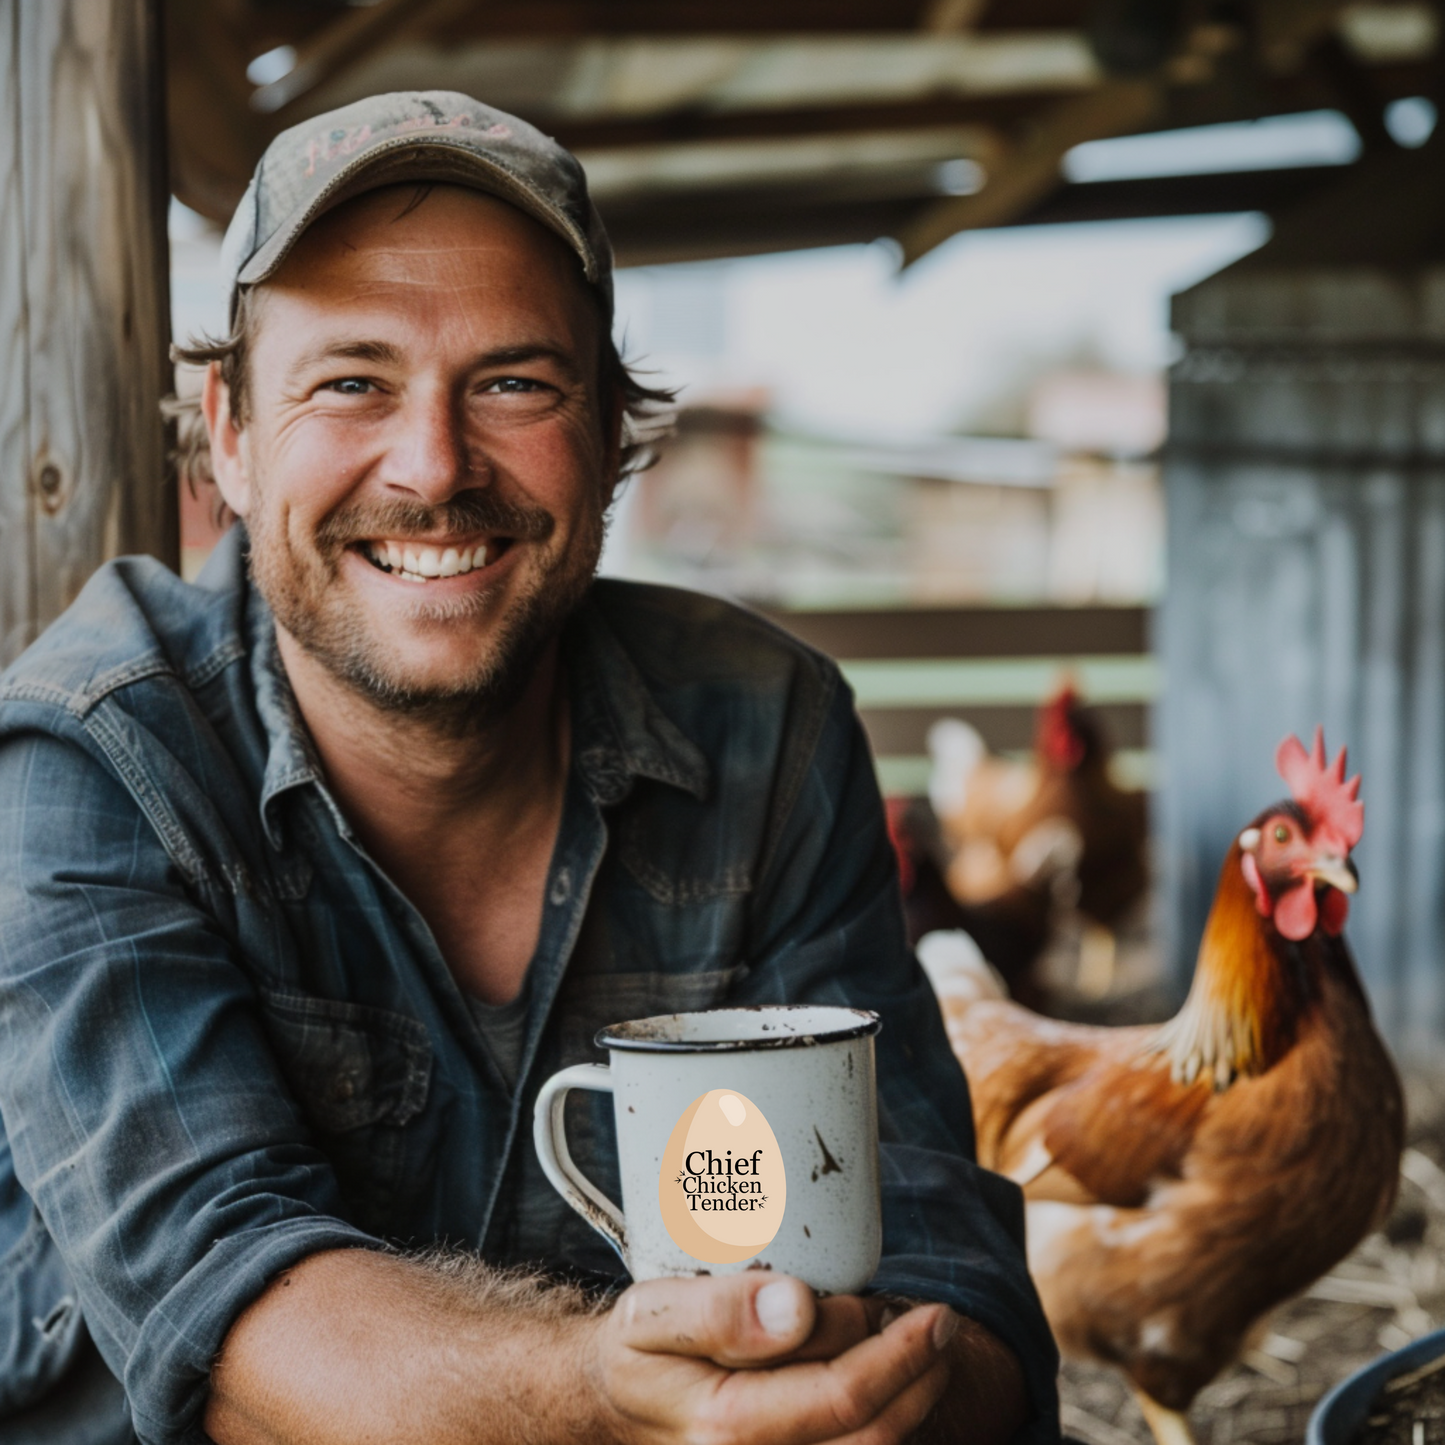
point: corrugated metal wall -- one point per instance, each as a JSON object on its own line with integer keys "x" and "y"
{"x": 1305, "y": 484}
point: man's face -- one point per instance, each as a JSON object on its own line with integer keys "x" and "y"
{"x": 426, "y": 460}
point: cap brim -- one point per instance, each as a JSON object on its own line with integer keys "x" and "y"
{"x": 409, "y": 158}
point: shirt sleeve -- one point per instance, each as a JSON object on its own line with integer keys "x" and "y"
{"x": 143, "y": 1105}
{"x": 828, "y": 928}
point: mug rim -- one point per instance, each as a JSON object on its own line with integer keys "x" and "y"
{"x": 614, "y": 1037}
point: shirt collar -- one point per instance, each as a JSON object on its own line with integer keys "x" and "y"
{"x": 291, "y": 759}
{"x": 619, "y": 732}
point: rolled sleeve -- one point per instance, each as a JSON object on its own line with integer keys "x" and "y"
{"x": 145, "y": 1111}
{"x": 829, "y": 928}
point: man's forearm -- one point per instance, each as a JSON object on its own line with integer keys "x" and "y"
{"x": 354, "y": 1345}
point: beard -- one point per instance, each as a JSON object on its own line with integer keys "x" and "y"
{"x": 307, "y": 597}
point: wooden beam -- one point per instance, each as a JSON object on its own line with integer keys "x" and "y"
{"x": 348, "y": 40}
{"x": 559, "y": 18}
{"x": 708, "y": 226}
{"x": 1354, "y": 91}
{"x": 17, "y": 523}
{"x": 215, "y": 137}
{"x": 1268, "y": 191}
{"x": 83, "y": 302}
{"x": 1027, "y": 175}
{"x": 952, "y": 17}
{"x": 903, "y": 731}
{"x": 941, "y": 632}
{"x": 1286, "y": 29}
{"x": 698, "y": 124}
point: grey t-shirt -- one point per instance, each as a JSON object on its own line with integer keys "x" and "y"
{"x": 503, "y": 1028}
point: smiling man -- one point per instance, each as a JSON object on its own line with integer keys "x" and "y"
{"x": 313, "y": 872}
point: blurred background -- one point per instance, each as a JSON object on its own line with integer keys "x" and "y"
{"x": 1017, "y": 343}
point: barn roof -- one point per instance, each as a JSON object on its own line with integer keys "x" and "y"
{"x": 722, "y": 127}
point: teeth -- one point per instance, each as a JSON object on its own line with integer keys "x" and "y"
{"x": 421, "y": 564}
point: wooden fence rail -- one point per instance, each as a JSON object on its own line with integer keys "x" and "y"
{"x": 991, "y": 666}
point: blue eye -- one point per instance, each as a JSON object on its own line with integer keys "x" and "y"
{"x": 515, "y": 384}
{"x": 350, "y": 386}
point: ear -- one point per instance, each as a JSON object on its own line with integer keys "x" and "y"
{"x": 230, "y": 459}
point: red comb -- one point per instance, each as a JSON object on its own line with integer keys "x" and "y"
{"x": 1057, "y": 737}
{"x": 1320, "y": 788}
{"x": 895, "y": 809}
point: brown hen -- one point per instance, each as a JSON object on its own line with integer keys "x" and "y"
{"x": 1182, "y": 1180}
{"x": 999, "y": 818}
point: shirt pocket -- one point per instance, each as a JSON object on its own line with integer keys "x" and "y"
{"x": 359, "y": 1075}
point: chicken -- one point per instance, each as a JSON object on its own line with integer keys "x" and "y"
{"x": 1183, "y": 1179}
{"x": 1013, "y": 925}
{"x": 990, "y": 809}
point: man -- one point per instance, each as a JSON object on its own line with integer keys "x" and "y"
{"x": 313, "y": 873}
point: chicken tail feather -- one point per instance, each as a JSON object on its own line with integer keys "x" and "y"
{"x": 957, "y": 968}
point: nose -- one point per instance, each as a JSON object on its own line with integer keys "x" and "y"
{"x": 428, "y": 453}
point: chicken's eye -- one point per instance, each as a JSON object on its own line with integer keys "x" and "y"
{"x": 1281, "y": 833}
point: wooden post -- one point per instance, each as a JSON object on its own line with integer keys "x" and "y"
{"x": 84, "y": 302}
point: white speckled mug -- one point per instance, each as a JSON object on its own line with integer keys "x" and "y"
{"x": 747, "y": 1138}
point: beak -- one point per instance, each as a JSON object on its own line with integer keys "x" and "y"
{"x": 1336, "y": 872}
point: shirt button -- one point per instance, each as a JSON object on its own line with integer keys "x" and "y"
{"x": 561, "y": 886}
{"x": 342, "y": 1090}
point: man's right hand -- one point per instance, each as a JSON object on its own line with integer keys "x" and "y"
{"x": 754, "y": 1358}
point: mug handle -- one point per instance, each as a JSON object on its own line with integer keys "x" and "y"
{"x": 549, "y": 1134}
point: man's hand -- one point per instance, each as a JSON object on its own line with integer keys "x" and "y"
{"x": 351, "y": 1345}
{"x": 754, "y": 1358}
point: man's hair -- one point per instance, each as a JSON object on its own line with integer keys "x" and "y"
{"x": 647, "y": 411}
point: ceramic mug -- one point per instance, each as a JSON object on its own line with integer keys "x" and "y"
{"x": 747, "y": 1138}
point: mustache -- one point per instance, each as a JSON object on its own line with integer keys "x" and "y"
{"x": 460, "y": 516}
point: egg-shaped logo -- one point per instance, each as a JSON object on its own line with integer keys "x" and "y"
{"x": 722, "y": 1187}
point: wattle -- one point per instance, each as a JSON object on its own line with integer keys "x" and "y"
{"x": 1334, "y": 909}
{"x": 1295, "y": 913}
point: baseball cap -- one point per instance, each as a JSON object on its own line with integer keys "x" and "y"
{"x": 425, "y": 135}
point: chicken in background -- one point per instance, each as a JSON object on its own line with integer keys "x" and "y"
{"x": 991, "y": 811}
{"x": 1011, "y": 926}
{"x": 1183, "y": 1179}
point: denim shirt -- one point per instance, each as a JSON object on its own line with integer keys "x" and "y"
{"x": 228, "y": 1041}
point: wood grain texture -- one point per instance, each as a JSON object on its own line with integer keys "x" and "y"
{"x": 17, "y": 543}
{"x": 84, "y": 313}
{"x": 903, "y": 731}
{"x": 971, "y": 631}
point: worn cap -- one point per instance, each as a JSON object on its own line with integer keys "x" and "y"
{"x": 427, "y": 135}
